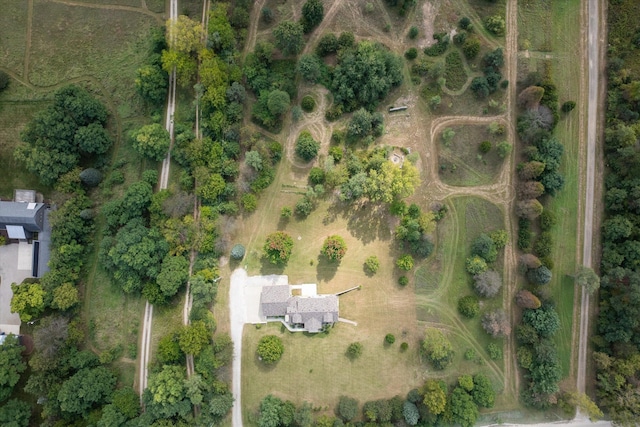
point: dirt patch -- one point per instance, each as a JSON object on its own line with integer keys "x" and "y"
{"x": 429, "y": 12}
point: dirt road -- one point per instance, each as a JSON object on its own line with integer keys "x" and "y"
{"x": 236, "y": 315}
{"x": 164, "y": 181}
{"x": 594, "y": 74}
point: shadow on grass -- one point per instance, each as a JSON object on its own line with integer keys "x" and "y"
{"x": 326, "y": 269}
{"x": 263, "y": 367}
{"x": 267, "y": 267}
{"x": 366, "y": 221}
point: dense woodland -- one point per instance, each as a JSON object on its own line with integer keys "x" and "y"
{"x": 617, "y": 340}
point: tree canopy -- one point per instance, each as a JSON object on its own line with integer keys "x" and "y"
{"x": 11, "y": 365}
{"x": 289, "y": 37}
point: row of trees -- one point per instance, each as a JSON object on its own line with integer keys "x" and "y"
{"x": 617, "y": 342}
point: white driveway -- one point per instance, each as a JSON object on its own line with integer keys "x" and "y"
{"x": 15, "y": 266}
{"x": 244, "y": 307}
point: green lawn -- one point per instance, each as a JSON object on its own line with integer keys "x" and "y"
{"x": 535, "y": 29}
{"x": 462, "y": 164}
{"x": 13, "y": 31}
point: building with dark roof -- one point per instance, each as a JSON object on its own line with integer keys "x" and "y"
{"x": 21, "y": 220}
{"x": 309, "y": 313}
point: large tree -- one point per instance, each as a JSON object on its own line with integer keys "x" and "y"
{"x": 85, "y": 389}
{"x": 312, "y": 14}
{"x": 11, "y": 365}
{"x": 270, "y": 349}
{"x": 15, "y": 413}
{"x": 364, "y": 75}
{"x": 278, "y": 247}
{"x": 437, "y": 348}
{"x": 391, "y": 182}
{"x": 28, "y": 300}
{"x": 151, "y": 141}
{"x": 174, "y": 273}
{"x": 334, "y": 248}
{"x": 289, "y": 37}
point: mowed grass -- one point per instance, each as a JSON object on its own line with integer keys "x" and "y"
{"x": 443, "y": 280}
{"x": 462, "y": 164}
{"x": 108, "y": 47}
{"x": 13, "y": 34}
{"x": 13, "y": 117}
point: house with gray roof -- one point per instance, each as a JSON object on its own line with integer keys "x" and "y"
{"x": 21, "y": 219}
{"x": 309, "y": 313}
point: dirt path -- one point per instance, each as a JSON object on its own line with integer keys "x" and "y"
{"x": 27, "y": 46}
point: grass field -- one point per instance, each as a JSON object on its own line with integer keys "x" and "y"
{"x": 462, "y": 164}
{"x": 565, "y": 64}
{"x": 13, "y": 27}
{"x": 535, "y": 31}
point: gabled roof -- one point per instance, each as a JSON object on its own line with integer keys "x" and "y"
{"x": 28, "y": 215}
{"x": 273, "y": 300}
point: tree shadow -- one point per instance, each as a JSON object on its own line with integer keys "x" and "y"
{"x": 326, "y": 269}
{"x": 267, "y": 267}
{"x": 366, "y": 221}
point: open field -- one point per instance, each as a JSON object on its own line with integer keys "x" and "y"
{"x": 462, "y": 164}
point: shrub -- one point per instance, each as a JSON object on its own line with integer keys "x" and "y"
{"x": 249, "y": 202}
{"x": 354, "y": 350}
{"x": 437, "y": 348}
{"x": 327, "y": 44}
{"x": 286, "y": 212}
{"x": 308, "y": 103}
{"x": 413, "y": 32}
{"x": 470, "y": 354}
{"x": 485, "y": 147}
{"x": 389, "y": 338}
{"x": 464, "y": 23}
{"x": 90, "y": 177}
{"x": 471, "y": 47}
{"x": 469, "y": 306}
{"x": 539, "y": 276}
{"x": 237, "y": 252}
{"x": 372, "y": 264}
{"x": 496, "y": 323}
{"x": 411, "y": 53}
{"x": 307, "y": 147}
{"x": 484, "y": 247}
{"x": 495, "y": 25}
{"x": 270, "y": 349}
{"x": 495, "y": 352}
{"x": 547, "y": 220}
{"x": 404, "y": 346}
{"x": 487, "y": 283}
{"x": 403, "y": 281}
{"x": 524, "y": 357}
{"x": 267, "y": 15}
{"x": 334, "y": 248}
{"x": 568, "y": 106}
{"x": 476, "y": 265}
{"x": 347, "y": 408}
{"x": 405, "y": 262}
{"x": 278, "y": 247}
{"x": 504, "y": 149}
{"x": 526, "y": 299}
{"x": 317, "y": 175}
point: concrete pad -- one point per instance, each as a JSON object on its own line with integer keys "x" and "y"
{"x": 10, "y": 329}
{"x": 25, "y": 256}
{"x": 306, "y": 290}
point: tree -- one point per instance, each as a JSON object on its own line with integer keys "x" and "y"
{"x": 310, "y": 68}
{"x": 483, "y": 393}
{"x": 278, "y": 102}
{"x": 306, "y": 147}
{"x": 50, "y": 336}
{"x": 15, "y": 413}
{"x": 173, "y": 274}
{"x": 526, "y": 299}
{"x": 568, "y": 106}
{"x": 480, "y": 87}
{"x": 90, "y": 177}
{"x": 87, "y": 388}
{"x": 194, "y": 337}
{"x": 504, "y": 149}
{"x": 361, "y": 124}
{"x": 496, "y": 323}
{"x": 476, "y": 265}
{"x": 495, "y": 25}
{"x": 529, "y": 209}
{"x": 27, "y": 300}
{"x": 464, "y": 411}
{"x": 587, "y": 278}
{"x": 151, "y": 83}
{"x": 484, "y": 247}
{"x": 365, "y": 75}
{"x": 169, "y": 350}
{"x": 347, "y": 408}
{"x": 435, "y": 397}
{"x": 237, "y": 252}
{"x": 92, "y": 139}
{"x": 167, "y": 385}
{"x": 530, "y": 97}
{"x": 334, "y": 248}
{"x": 65, "y": 296}
{"x": 372, "y": 264}
{"x": 270, "y": 349}
{"x": 253, "y": 159}
{"x": 469, "y": 306}
{"x": 391, "y": 182}
{"x": 354, "y": 350}
{"x": 312, "y": 14}
{"x": 278, "y": 246}
{"x": 437, "y": 348}
{"x": 544, "y": 320}
{"x": 151, "y": 141}
{"x": 271, "y": 409}
{"x": 11, "y": 365}
{"x": 471, "y": 47}
{"x": 405, "y": 262}
{"x": 410, "y": 413}
{"x": 4, "y": 80}
{"x": 539, "y": 276}
{"x": 327, "y": 44}
{"x": 530, "y": 190}
{"x": 184, "y": 34}
{"x": 530, "y": 170}
{"x": 289, "y": 37}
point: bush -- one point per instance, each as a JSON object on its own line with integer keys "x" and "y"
{"x": 464, "y": 23}
{"x": 316, "y": 175}
{"x": 568, "y": 106}
{"x": 404, "y": 346}
{"x": 347, "y": 408}
{"x": 405, "y": 262}
{"x": 286, "y": 212}
{"x": 237, "y": 252}
{"x": 495, "y": 25}
{"x": 469, "y": 306}
{"x": 249, "y": 202}
{"x": 307, "y": 147}
{"x": 495, "y": 352}
{"x": 539, "y": 276}
{"x": 372, "y": 264}
{"x": 354, "y": 350}
{"x": 496, "y": 323}
{"x": 471, "y": 47}
{"x": 547, "y": 220}
{"x": 270, "y": 349}
{"x": 334, "y": 248}
{"x": 91, "y": 177}
{"x": 413, "y": 32}
{"x": 476, "y": 265}
{"x": 411, "y": 53}
{"x": 389, "y": 338}
{"x": 470, "y": 354}
{"x": 403, "y": 281}
{"x": 504, "y": 149}
{"x": 308, "y": 103}
{"x": 267, "y": 15}
{"x": 485, "y": 147}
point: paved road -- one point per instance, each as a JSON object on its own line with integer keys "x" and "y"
{"x": 592, "y": 116}
{"x": 576, "y": 422}
{"x": 164, "y": 181}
